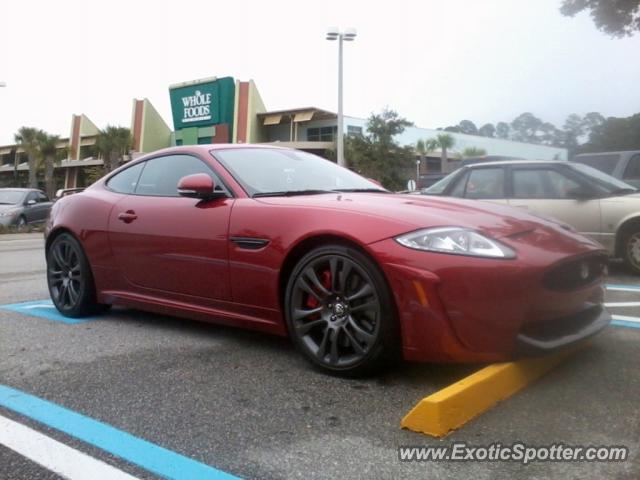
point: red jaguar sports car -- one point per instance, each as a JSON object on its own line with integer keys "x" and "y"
{"x": 285, "y": 242}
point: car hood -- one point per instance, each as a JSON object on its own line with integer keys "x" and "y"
{"x": 412, "y": 212}
{"x": 4, "y": 208}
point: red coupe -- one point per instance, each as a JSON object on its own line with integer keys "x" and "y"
{"x": 288, "y": 243}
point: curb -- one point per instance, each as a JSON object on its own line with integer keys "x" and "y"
{"x": 453, "y": 406}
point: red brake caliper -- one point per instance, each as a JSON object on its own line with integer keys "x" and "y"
{"x": 325, "y": 278}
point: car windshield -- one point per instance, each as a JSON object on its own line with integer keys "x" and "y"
{"x": 11, "y": 197}
{"x": 438, "y": 187}
{"x": 280, "y": 172}
{"x": 601, "y": 181}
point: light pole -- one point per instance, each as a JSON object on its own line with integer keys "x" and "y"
{"x": 348, "y": 35}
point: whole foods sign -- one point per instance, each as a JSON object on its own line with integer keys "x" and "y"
{"x": 195, "y": 105}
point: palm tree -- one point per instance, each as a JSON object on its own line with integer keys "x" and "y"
{"x": 473, "y": 152}
{"x": 27, "y": 138}
{"x": 47, "y": 145}
{"x": 113, "y": 143}
{"x": 442, "y": 142}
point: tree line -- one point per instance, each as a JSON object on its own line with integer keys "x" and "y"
{"x": 590, "y": 133}
{"x": 43, "y": 152}
{"x": 376, "y": 153}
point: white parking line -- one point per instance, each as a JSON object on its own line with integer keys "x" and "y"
{"x": 626, "y": 318}
{"x": 622, "y": 304}
{"x": 55, "y": 456}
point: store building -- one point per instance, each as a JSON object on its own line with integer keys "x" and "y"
{"x": 226, "y": 110}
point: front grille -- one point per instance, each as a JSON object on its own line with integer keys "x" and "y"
{"x": 576, "y": 273}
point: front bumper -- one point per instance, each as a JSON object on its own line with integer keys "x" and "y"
{"x": 538, "y": 339}
{"x": 455, "y": 308}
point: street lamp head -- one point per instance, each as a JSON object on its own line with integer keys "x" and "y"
{"x": 333, "y": 33}
{"x": 349, "y": 35}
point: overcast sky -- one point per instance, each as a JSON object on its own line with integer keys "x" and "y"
{"x": 434, "y": 61}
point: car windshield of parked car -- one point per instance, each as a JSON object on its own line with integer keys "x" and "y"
{"x": 11, "y": 197}
{"x": 439, "y": 187}
{"x": 276, "y": 172}
{"x": 602, "y": 182}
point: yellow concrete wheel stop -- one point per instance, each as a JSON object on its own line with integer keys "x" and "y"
{"x": 453, "y": 406}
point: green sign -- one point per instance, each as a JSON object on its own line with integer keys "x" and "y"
{"x": 203, "y": 104}
{"x": 195, "y": 105}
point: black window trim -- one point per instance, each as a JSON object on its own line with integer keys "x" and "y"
{"x": 227, "y": 191}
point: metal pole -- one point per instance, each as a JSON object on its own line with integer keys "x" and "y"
{"x": 340, "y": 145}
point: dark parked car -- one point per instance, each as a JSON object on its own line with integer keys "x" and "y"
{"x": 624, "y": 166}
{"x": 20, "y": 207}
{"x": 285, "y": 242}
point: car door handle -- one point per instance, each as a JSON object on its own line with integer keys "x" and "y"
{"x": 128, "y": 216}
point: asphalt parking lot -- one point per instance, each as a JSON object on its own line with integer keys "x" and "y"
{"x": 247, "y": 404}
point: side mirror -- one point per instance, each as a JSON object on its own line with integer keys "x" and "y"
{"x": 198, "y": 185}
{"x": 31, "y": 202}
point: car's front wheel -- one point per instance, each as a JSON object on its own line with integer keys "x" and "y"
{"x": 631, "y": 245}
{"x": 69, "y": 278}
{"x": 340, "y": 313}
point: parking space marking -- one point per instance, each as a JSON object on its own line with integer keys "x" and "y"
{"x": 43, "y": 309}
{"x": 147, "y": 455}
{"x": 622, "y": 304}
{"x": 625, "y": 321}
{"x": 55, "y": 456}
{"x": 622, "y": 288}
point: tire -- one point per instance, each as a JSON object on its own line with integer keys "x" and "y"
{"x": 340, "y": 313}
{"x": 69, "y": 278}
{"x": 631, "y": 249}
{"x": 22, "y": 223}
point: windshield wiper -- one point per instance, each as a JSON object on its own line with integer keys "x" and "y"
{"x": 291, "y": 193}
{"x": 352, "y": 190}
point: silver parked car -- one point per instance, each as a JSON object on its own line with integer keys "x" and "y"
{"x": 20, "y": 207}
{"x": 594, "y": 203}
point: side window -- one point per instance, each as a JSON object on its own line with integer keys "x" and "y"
{"x": 161, "y": 175}
{"x": 632, "y": 172}
{"x": 31, "y": 196}
{"x": 539, "y": 183}
{"x": 41, "y": 197}
{"x": 126, "y": 180}
{"x": 485, "y": 183}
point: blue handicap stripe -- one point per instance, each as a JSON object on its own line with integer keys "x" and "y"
{"x": 149, "y": 456}
{"x": 44, "y": 309}
{"x": 623, "y": 321}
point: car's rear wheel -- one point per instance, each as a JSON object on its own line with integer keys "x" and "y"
{"x": 631, "y": 243}
{"x": 340, "y": 313}
{"x": 69, "y": 277}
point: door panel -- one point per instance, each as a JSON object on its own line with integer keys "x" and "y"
{"x": 173, "y": 244}
{"x": 165, "y": 242}
{"x": 546, "y": 191}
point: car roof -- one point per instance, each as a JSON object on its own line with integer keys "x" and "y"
{"x": 519, "y": 162}
{"x": 21, "y": 189}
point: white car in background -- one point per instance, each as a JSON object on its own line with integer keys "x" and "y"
{"x": 594, "y": 203}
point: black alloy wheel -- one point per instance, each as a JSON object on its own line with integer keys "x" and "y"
{"x": 339, "y": 311}
{"x": 69, "y": 278}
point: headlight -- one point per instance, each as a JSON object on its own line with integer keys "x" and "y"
{"x": 8, "y": 213}
{"x": 456, "y": 240}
